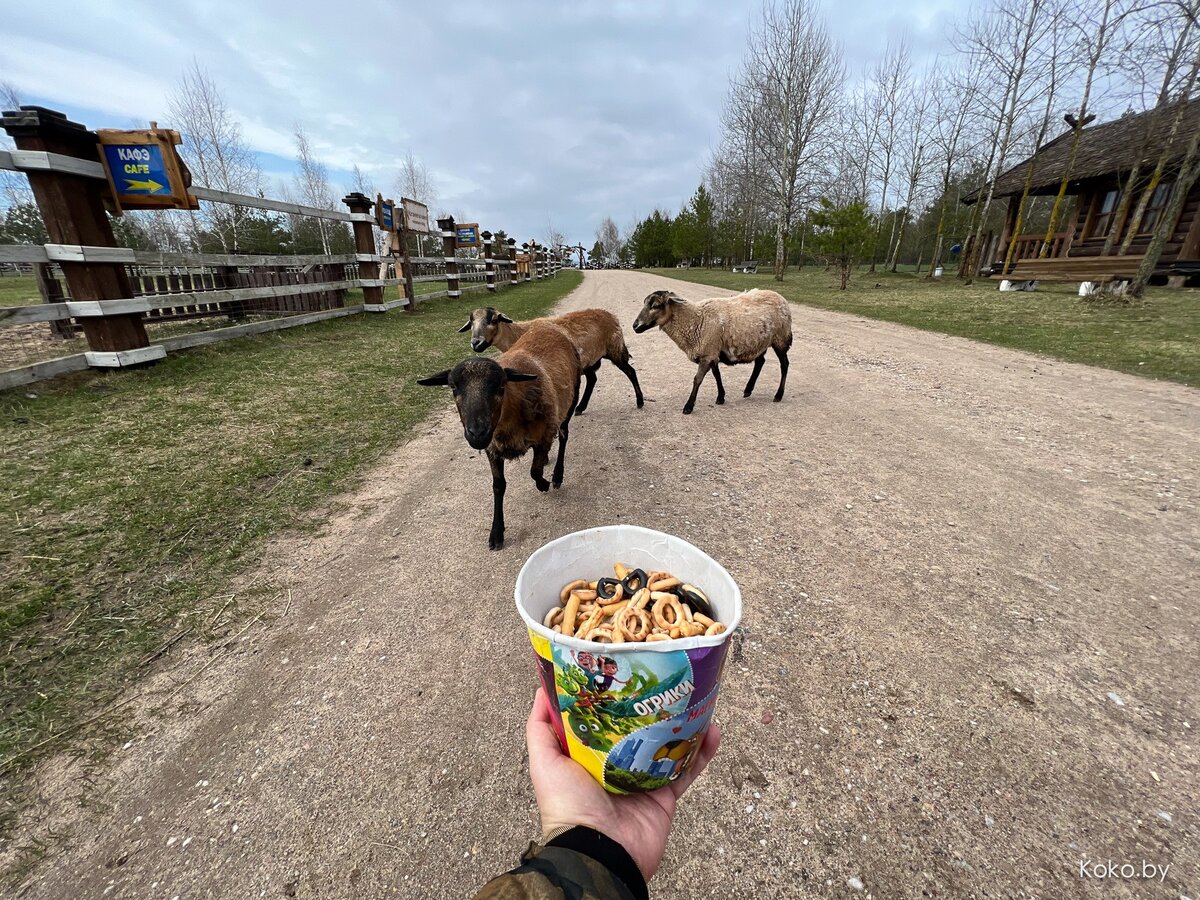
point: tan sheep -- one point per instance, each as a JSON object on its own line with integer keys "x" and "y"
{"x": 728, "y": 330}
{"x": 596, "y": 333}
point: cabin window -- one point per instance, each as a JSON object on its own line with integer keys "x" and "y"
{"x": 1104, "y": 215}
{"x": 1154, "y": 209}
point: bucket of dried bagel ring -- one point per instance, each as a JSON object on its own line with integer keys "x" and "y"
{"x": 632, "y": 712}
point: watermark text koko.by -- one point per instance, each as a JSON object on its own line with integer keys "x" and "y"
{"x": 1103, "y": 869}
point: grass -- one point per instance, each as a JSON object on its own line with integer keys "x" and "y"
{"x": 130, "y": 500}
{"x": 19, "y": 290}
{"x": 1158, "y": 336}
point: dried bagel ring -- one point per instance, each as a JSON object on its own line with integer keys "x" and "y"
{"x": 592, "y": 621}
{"x": 633, "y": 614}
{"x": 640, "y": 599}
{"x": 664, "y": 582}
{"x": 620, "y": 571}
{"x": 601, "y": 634}
{"x": 714, "y": 628}
{"x": 659, "y": 612}
{"x": 566, "y": 591}
{"x": 554, "y": 617}
{"x": 658, "y": 637}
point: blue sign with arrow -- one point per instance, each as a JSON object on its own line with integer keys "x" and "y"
{"x": 138, "y": 169}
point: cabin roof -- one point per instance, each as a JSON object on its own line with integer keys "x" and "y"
{"x": 1105, "y": 149}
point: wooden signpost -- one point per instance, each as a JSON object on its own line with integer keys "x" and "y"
{"x": 466, "y": 234}
{"x": 385, "y": 214}
{"x": 416, "y": 216}
{"x": 145, "y": 170}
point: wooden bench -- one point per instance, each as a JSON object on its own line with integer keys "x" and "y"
{"x": 1097, "y": 269}
{"x": 750, "y": 267}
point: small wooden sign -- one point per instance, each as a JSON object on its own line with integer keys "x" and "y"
{"x": 145, "y": 170}
{"x": 466, "y": 234}
{"x": 385, "y": 214}
{"x": 416, "y": 216}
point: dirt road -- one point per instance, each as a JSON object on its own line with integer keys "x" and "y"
{"x": 969, "y": 660}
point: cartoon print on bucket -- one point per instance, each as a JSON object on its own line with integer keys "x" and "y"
{"x": 603, "y": 697}
{"x": 656, "y": 755}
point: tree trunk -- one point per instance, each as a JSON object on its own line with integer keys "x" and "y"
{"x": 1160, "y": 166}
{"x": 1188, "y": 170}
{"x": 780, "y": 250}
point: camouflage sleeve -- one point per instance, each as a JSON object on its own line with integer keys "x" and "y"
{"x": 580, "y": 864}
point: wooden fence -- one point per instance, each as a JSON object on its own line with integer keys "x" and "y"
{"x": 112, "y": 294}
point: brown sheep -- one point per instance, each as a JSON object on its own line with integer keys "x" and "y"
{"x": 520, "y": 401}
{"x": 731, "y": 330}
{"x": 596, "y": 333}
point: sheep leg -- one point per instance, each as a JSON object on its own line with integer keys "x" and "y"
{"x": 783, "y": 369}
{"x": 589, "y": 375}
{"x": 496, "y": 538}
{"x": 623, "y": 364}
{"x": 701, "y": 371}
{"x": 564, "y": 431}
{"x": 541, "y": 456}
{"x": 720, "y": 387}
{"x": 758, "y": 364}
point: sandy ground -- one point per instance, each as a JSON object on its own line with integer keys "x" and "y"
{"x": 969, "y": 660}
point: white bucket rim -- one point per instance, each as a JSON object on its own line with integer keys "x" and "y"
{"x": 731, "y": 587}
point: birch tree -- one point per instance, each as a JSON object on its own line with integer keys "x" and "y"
{"x": 886, "y": 110}
{"x": 1161, "y": 35}
{"x": 784, "y": 97}
{"x": 914, "y": 155}
{"x": 1094, "y": 36}
{"x": 1004, "y": 40}
{"x": 956, "y": 93}
{"x": 215, "y": 151}
{"x": 312, "y": 185}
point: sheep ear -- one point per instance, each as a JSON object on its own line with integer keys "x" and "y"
{"x": 501, "y": 317}
{"x": 672, "y": 297}
{"x": 466, "y": 327}
{"x": 514, "y": 375}
{"x": 441, "y": 379}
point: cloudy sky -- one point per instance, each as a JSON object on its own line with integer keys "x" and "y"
{"x": 524, "y": 114}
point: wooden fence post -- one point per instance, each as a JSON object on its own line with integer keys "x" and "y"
{"x": 409, "y": 292}
{"x": 446, "y": 226}
{"x": 489, "y": 264}
{"x": 512, "y": 261}
{"x": 72, "y": 207}
{"x": 364, "y": 245}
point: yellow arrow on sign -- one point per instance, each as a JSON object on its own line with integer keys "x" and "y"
{"x": 142, "y": 185}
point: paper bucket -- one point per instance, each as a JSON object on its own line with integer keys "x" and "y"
{"x": 636, "y": 722}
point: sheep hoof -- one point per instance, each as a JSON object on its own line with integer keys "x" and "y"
{"x": 778, "y": 397}
{"x": 496, "y": 542}
{"x": 687, "y": 410}
{"x": 720, "y": 401}
{"x": 542, "y": 484}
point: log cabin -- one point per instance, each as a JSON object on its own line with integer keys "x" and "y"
{"x": 1107, "y": 153}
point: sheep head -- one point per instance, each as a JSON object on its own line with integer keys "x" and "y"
{"x": 483, "y": 325}
{"x": 478, "y": 388}
{"x": 656, "y": 311}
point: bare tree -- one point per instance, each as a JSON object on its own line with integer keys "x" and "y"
{"x": 361, "y": 183}
{"x": 1094, "y": 36}
{"x": 1004, "y": 39}
{"x": 14, "y": 186}
{"x": 782, "y": 100}
{"x": 891, "y": 81}
{"x": 609, "y": 237}
{"x": 955, "y": 95}
{"x": 914, "y": 152}
{"x": 312, "y": 183}
{"x": 1054, "y": 65}
{"x": 414, "y": 182}
{"x": 215, "y": 151}
{"x": 1160, "y": 35}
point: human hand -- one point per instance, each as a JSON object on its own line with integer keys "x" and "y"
{"x": 568, "y": 795}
